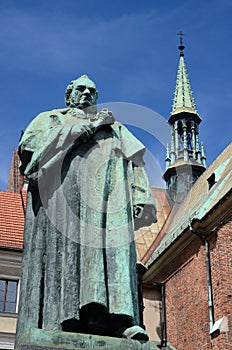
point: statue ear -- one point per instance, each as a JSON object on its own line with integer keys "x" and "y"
{"x": 96, "y": 94}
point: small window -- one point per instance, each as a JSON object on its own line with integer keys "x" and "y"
{"x": 211, "y": 180}
{"x": 8, "y": 295}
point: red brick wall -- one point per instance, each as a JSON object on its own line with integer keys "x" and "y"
{"x": 221, "y": 263}
{"x": 187, "y": 299}
{"x": 187, "y": 293}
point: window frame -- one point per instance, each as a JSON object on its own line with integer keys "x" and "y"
{"x": 5, "y": 291}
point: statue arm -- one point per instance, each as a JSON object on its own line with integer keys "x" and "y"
{"x": 50, "y": 136}
{"x": 142, "y": 198}
{"x": 40, "y": 146}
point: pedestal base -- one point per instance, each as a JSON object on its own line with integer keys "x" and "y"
{"x": 39, "y": 339}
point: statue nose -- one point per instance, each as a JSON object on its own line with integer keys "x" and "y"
{"x": 86, "y": 91}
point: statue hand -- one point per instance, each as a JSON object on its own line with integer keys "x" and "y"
{"x": 104, "y": 117}
{"x": 138, "y": 211}
{"x": 144, "y": 215}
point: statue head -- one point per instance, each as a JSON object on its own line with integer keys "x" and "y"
{"x": 81, "y": 93}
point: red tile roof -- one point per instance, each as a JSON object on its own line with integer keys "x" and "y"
{"x": 11, "y": 219}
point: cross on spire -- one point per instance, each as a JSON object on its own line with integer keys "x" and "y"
{"x": 181, "y": 46}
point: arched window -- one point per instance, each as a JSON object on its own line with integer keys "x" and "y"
{"x": 189, "y": 135}
{"x": 180, "y": 134}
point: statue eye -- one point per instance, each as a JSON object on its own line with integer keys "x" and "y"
{"x": 92, "y": 90}
{"x": 80, "y": 88}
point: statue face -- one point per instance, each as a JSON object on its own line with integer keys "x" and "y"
{"x": 84, "y": 93}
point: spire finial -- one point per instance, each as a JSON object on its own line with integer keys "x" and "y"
{"x": 181, "y": 46}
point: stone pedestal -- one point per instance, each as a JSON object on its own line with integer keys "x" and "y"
{"x": 38, "y": 339}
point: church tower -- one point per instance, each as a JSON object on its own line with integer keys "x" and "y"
{"x": 185, "y": 159}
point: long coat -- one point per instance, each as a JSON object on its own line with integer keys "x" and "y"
{"x": 79, "y": 233}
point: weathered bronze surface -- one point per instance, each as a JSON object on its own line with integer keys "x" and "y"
{"x": 86, "y": 183}
{"x": 38, "y": 339}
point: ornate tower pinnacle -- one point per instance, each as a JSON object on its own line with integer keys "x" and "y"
{"x": 181, "y": 46}
{"x": 183, "y": 98}
{"x": 185, "y": 161}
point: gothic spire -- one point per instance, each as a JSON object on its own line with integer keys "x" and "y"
{"x": 185, "y": 160}
{"x": 183, "y": 99}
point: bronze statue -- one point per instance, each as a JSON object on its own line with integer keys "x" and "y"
{"x": 87, "y": 192}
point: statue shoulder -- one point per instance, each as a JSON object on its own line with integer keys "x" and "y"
{"x": 130, "y": 145}
{"x": 117, "y": 127}
{"x": 122, "y": 130}
{"x": 47, "y": 118}
{"x": 52, "y": 112}
{"x": 118, "y": 124}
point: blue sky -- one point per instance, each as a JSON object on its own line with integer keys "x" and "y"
{"x": 128, "y": 48}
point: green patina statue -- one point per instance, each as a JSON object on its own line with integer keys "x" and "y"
{"x": 87, "y": 193}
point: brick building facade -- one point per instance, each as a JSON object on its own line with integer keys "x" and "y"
{"x": 221, "y": 263}
{"x": 194, "y": 261}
